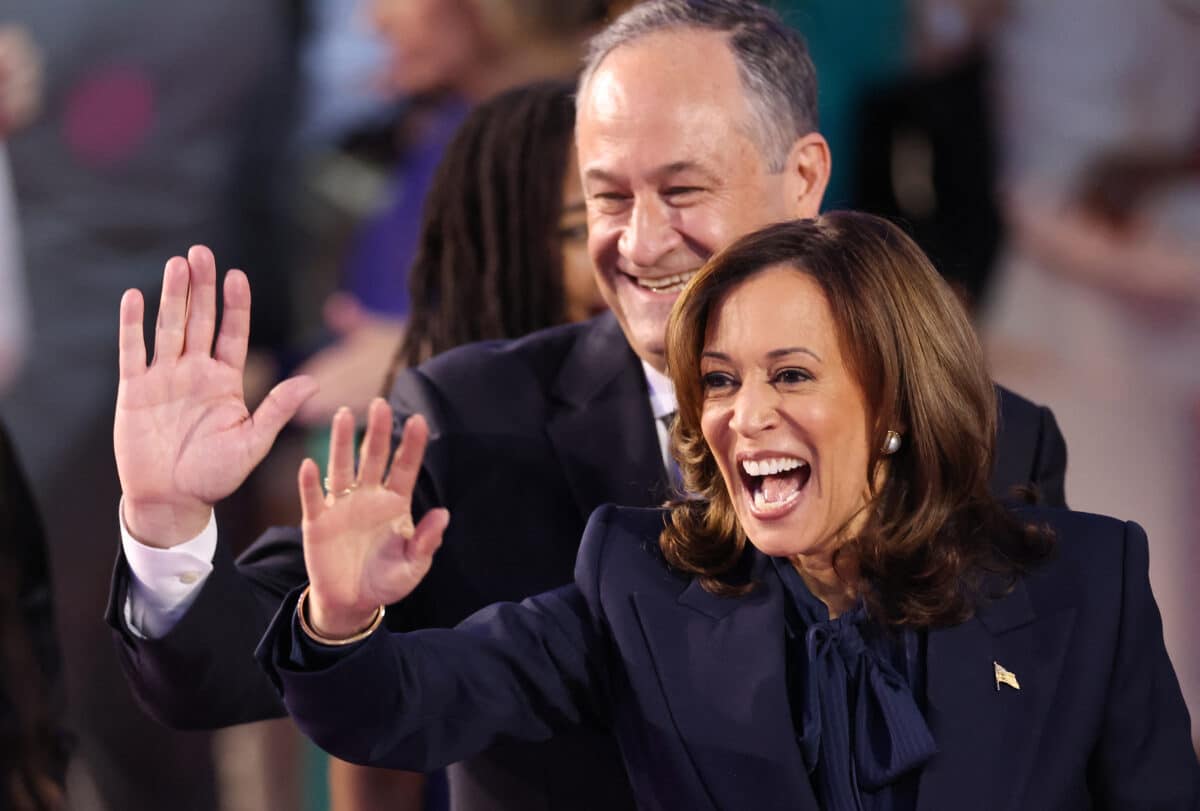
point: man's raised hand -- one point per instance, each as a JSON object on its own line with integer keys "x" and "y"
{"x": 183, "y": 436}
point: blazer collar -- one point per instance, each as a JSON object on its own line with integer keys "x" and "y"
{"x": 987, "y": 737}
{"x": 987, "y": 731}
{"x": 728, "y": 695}
{"x": 602, "y": 428}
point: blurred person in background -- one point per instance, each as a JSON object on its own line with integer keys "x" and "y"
{"x": 444, "y": 56}
{"x": 20, "y": 98}
{"x": 1096, "y": 306}
{"x": 904, "y": 105}
{"x": 502, "y": 252}
{"x": 33, "y": 742}
{"x": 152, "y": 130}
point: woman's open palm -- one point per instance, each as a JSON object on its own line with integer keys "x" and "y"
{"x": 360, "y": 546}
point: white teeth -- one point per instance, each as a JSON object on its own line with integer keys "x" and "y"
{"x": 770, "y": 467}
{"x": 667, "y": 283}
{"x": 760, "y": 500}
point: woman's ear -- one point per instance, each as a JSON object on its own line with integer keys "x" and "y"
{"x": 808, "y": 166}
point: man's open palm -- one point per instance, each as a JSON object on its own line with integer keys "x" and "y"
{"x": 183, "y": 436}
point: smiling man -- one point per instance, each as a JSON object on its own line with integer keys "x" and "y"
{"x": 696, "y": 124}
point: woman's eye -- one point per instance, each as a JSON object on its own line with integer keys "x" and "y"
{"x": 716, "y": 380}
{"x": 792, "y": 376}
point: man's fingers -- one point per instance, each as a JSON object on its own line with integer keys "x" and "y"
{"x": 312, "y": 497}
{"x": 131, "y": 341}
{"x": 373, "y": 458}
{"x": 172, "y": 310}
{"x": 275, "y": 410}
{"x": 234, "y": 338}
{"x": 341, "y": 452}
{"x": 202, "y": 300}
{"x": 406, "y": 463}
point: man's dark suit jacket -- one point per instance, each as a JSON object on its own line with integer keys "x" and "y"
{"x": 528, "y": 437}
{"x": 694, "y": 686}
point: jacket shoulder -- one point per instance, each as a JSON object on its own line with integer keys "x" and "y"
{"x": 508, "y": 378}
{"x": 1093, "y": 555}
{"x": 624, "y": 541}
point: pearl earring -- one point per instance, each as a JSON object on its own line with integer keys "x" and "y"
{"x": 891, "y": 444}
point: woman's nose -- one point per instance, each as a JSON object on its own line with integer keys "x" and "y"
{"x": 755, "y": 409}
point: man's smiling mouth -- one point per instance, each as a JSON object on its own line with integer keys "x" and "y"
{"x": 664, "y": 284}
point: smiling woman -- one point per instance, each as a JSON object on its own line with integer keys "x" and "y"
{"x": 795, "y": 353}
{"x": 840, "y": 617}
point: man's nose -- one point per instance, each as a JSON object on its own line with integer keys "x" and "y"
{"x": 650, "y": 234}
{"x": 755, "y": 409}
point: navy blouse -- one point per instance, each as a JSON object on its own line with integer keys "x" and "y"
{"x": 856, "y": 693}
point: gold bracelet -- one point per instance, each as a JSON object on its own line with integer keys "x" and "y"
{"x": 302, "y": 615}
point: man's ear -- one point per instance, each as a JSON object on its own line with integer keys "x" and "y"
{"x": 808, "y": 166}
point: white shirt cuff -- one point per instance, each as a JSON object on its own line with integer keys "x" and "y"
{"x": 164, "y": 582}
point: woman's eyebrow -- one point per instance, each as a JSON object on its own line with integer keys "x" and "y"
{"x": 773, "y": 354}
{"x": 793, "y": 350}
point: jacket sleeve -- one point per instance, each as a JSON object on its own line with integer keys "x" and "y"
{"x": 202, "y": 674}
{"x": 1144, "y": 756}
{"x": 424, "y": 699}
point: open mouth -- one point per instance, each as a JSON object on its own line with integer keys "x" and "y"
{"x": 664, "y": 284}
{"x": 774, "y": 484}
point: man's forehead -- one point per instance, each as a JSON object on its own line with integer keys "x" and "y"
{"x": 663, "y": 69}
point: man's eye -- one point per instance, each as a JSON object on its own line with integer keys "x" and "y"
{"x": 573, "y": 233}
{"x": 609, "y": 199}
{"x": 676, "y": 192}
{"x": 792, "y": 376}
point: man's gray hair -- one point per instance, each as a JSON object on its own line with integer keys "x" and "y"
{"x": 772, "y": 58}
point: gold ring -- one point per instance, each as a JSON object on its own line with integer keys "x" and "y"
{"x": 328, "y": 490}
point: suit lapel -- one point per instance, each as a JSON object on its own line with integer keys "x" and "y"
{"x": 724, "y": 662}
{"x": 602, "y": 429}
{"x": 987, "y": 737}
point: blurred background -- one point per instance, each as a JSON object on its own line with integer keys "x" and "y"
{"x": 1045, "y": 154}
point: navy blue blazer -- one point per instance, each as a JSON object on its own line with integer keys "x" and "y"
{"x": 693, "y": 685}
{"x": 531, "y": 435}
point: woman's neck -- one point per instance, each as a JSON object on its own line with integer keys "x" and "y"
{"x": 828, "y": 583}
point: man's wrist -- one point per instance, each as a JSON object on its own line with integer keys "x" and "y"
{"x": 164, "y": 525}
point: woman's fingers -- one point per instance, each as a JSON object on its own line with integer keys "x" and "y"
{"x": 427, "y": 537}
{"x": 376, "y": 443}
{"x": 202, "y": 301}
{"x": 312, "y": 497}
{"x": 341, "y": 453}
{"x": 406, "y": 463}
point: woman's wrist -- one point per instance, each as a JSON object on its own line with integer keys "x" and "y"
{"x": 330, "y": 627}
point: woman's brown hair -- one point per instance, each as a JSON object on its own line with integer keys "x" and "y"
{"x": 932, "y": 534}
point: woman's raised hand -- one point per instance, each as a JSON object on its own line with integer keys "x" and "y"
{"x": 183, "y": 436}
{"x": 360, "y": 546}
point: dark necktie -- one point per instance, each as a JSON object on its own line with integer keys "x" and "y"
{"x": 674, "y": 475}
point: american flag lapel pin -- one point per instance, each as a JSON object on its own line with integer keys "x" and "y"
{"x": 1005, "y": 676}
